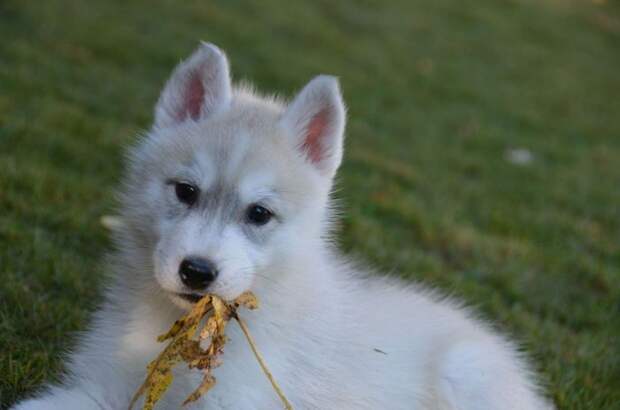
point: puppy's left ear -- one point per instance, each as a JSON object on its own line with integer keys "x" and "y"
{"x": 198, "y": 87}
{"x": 316, "y": 121}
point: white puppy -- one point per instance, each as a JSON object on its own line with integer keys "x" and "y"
{"x": 229, "y": 191}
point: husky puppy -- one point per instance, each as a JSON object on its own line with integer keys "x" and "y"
{"x": 230, "y": 191}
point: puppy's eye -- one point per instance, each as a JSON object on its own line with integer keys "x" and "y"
{"x": 258, "y": 215}
{"x": 186, "y": 193}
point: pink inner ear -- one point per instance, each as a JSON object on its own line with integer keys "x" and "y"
{"x": 193, "y": 98}
{"x": 315, "y": 133}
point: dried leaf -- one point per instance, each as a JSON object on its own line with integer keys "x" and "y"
{"x": 185, "y": 346}
{"x": 247, "y": 300}
{"x": 204, "y": 387}
{"x": 161, "y": 382}
{"x": 209, "y": 330}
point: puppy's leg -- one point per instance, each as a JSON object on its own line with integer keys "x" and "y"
{"x": 58, "y": 398}
{"x": 487, "y": 375}
{"x": 99, "y": 375}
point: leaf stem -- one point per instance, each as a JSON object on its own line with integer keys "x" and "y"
{"x": 261, "y": 362}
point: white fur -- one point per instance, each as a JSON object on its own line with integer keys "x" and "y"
{"x": 334, "y": 336}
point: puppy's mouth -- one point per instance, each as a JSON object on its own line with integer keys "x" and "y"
{"x": 190, "y": 297}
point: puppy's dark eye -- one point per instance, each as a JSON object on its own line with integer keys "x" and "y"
{"x": 258, "y": 215}
{"x": 187, "y": 193}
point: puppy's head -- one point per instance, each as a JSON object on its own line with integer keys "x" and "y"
{"x": 228, "y": 183}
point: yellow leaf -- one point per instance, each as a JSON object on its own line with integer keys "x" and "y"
{"x": 185, "y": 346}
{"x": 204, "y": 387}
{"x": 247, "y": 300}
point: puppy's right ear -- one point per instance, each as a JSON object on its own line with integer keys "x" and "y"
{"x": 198, "y": 87}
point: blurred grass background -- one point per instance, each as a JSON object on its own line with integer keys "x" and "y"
{"x": 439, "y": 93}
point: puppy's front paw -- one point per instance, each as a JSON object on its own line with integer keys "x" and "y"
{"x": 59, "y": 400}
{"x": 33, "y": 404}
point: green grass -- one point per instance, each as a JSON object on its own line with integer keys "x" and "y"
{"x": 437, "y": 92}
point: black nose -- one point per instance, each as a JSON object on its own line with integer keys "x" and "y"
{"x": 197, "y": 273}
